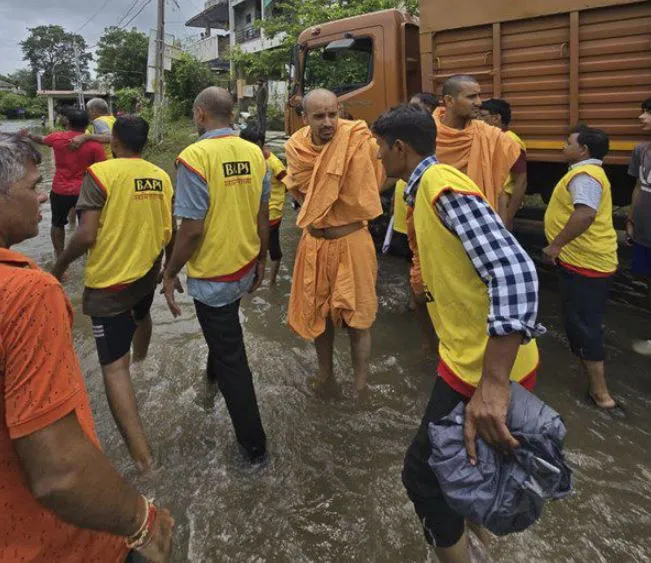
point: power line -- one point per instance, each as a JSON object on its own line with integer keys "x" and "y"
{"x": 136, "y": 14}
{"x": 126, "y": 14}
{"x": 91, "y": 18}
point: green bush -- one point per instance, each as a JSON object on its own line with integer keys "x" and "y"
{"x": 186, "y": 79}
{"x": 128, "y": 100}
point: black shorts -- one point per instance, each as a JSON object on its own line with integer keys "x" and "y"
{"x": 442, "y": 526}
{"x": 275, "y": 253}
{"x": 113, "y": 335}
{"x": 400, "y": 246}
{"x": 584, "y": 302}
{"x": 61, "y": 206}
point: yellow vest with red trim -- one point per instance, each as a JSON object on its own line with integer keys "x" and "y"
{"x": 400, "y": 208}
{"x": 278, "y": 189}
{"x": 135, "y": 224}
{"x": 110, "y": 121}
{"x": 458, "y": 301}
{"x": 596, "y": 248}
{"x": 234, "y": 171}
{"x": 509, "y": 184}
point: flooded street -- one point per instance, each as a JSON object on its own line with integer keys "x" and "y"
{"x": 331, "y": 491}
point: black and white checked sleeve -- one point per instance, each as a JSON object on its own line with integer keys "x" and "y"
{"x": 506, "y": 269}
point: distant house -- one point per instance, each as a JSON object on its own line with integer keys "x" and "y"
{"x": 9, "y": 87}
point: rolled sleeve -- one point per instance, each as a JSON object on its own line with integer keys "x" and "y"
{"x": 501, "y": 263}
{"x": 585, "y": 190}
{"x": 101, "y": 127}
{"x": 192, "y": 198}
{"x": 266, "y": 188}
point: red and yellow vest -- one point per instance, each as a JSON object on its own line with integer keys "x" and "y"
{"x": 234, "y": 171}
{"x": 277, "y": 201}
{"x": 135, "y": 224}
{"x": 400, "y": 208}
{"x": 596, "y": 248}
{"x": 458, "y": 301}
{"x": 110, "y": 121}
{"x": 508, "y": 185}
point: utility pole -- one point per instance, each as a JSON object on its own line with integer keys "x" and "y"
{"x": 159, "y": 79}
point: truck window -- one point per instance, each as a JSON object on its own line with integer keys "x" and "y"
{"x": 340, "y": 71}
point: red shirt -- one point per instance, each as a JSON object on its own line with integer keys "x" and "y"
{"x": 40, "y": 383}
{"x": 71, "y": 165}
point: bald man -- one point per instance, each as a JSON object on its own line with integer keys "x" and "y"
{"x": 333, "y": 169}
{"x": 222, "y": 199}
{"x": 484, "y": 153}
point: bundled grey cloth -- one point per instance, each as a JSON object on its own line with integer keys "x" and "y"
{"x": 503, "y": 493}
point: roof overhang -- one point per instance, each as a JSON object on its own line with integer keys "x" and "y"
{"x": 214, "y": 17}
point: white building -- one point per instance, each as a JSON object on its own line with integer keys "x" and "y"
{"x": 234, "y": 19}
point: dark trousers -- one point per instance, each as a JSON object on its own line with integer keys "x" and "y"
{"x": 442, "y": 526}
{"x": 228, "y": 365}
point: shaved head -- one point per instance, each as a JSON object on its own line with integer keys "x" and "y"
{"x": 453, "y": 85}
{"x": 320, "y": 96}
{"x": 216, "y": 102}
{"x": 321, "y": 113}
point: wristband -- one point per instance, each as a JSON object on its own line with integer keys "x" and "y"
{"x": 144, "y": 535}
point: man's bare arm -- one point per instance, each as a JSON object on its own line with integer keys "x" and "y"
{"x": 68, "y": 475}
{"x": 263, "y": 233}
{"x": 578, "y": 224}
{"x": 517, "y": 197}
{"x": 83, "y": 239}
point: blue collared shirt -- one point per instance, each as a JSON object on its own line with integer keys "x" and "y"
{"x": 192, "y": 201}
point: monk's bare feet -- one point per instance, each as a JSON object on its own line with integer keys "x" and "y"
{"x": 363, "y": 395}
{"x": 323, "y": 385}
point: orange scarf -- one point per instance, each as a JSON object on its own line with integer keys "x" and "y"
{"x": 484, "y": 153}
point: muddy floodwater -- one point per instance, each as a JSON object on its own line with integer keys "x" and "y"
{"x": 331, "y": 491}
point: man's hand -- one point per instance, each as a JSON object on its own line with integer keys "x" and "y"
{"x": 171, "y": 285}
{"x": 486, "y": 416}
{"x": 259, "y": 275}
{"x": 58, "y": 272}
{"x": 551, "y": 253}
{"x": 23, "y": 133}
{"x": 77, "y": 141}
{"x": 159, "y": 548}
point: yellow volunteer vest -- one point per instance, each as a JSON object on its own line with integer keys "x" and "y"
{"x": 110, "y": 121}
{"x": 596, "y": 249}
{"x": 458, "y": 302}
{"x": 135, "y": 224}
{"x": 508, "y": 185}
{"x": 400, "y": 208}
{"x": 277, "y": 201}
{"x": 234, "y": 170}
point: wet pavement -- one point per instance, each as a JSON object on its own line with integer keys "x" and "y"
{"x": 331, "y": 490}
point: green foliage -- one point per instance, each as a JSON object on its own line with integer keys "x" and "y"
{"x": 187, "y": 78}
{"x": 11, "y": 103}
{"x": 122, "y": 58}
{"x": 24, "y": 79}
{"x": 291, "y": 17}
{"x": 54, "y": 51}
{"x": 129, "y": 100}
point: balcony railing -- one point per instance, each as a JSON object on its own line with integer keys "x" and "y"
{"x": 206, "y": 49}
{"x": 247, "y": 33}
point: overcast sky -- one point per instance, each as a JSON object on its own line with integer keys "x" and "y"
{"x": 17, "y": 15}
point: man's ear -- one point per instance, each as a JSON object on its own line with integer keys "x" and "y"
{"x": 400, "y": 146}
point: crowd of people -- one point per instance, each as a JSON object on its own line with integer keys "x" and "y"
{"x": 459, "y": 175}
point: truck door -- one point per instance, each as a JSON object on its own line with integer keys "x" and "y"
{"x": 352, "y": 66}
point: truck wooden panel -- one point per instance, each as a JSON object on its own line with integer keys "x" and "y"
{"x": 588, "y": 65}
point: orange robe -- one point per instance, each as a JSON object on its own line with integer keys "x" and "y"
{"x": 340, "y": 183}
{"x": 484, "y": 153}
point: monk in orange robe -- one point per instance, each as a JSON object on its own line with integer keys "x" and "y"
{"x": 484, "y": 153}
{"x": 332, "y": 168}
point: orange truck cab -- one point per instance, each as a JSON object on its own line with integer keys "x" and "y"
{"x": 557, "y": 62}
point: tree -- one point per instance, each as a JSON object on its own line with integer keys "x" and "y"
{"x": 187, "y": 78}
{"x": 129, "y": 100}
{"x": 291, "y": 17}
{"x": 55, "y": 52}
{"x": 122, "y": 58}
{"x": 25, "y": 79}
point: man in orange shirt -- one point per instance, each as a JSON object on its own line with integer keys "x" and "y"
{"x": 333, "y": 169}
{"x": 61, "y": 498}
